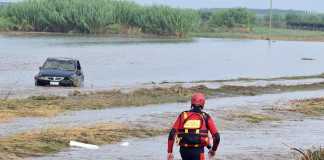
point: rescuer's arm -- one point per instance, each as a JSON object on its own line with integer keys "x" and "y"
{"x": 214, "y": 132}
{"x": 172, "y": 134}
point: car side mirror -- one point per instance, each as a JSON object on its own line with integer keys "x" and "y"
{"x": 40, "y": 67}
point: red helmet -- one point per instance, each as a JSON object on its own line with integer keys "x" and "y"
{"x": 198, "y": 99}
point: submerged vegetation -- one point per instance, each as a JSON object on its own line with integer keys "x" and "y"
{"x": 98, "y": 16}
{"x": 309, "y": 106}
{"x": 47, "y": 141}
{"x": 255, "y": 117}
{"x": 51, "y": 106}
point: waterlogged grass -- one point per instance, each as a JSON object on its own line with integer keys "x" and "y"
{"x": 262, "y": 33}
{"x": 255, "y": 117}
{"x": 99, "y": 16}
{"x": 310, "y": 154}
{"x": 256, "y": 90}
{"x": 312, "y": 107}
{"x": 43, "y": 142}
{"x": 51, "y": 106}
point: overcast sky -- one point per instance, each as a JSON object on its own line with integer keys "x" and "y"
{"x": 309, "y": 5}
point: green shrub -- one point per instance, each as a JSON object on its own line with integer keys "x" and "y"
{"x": 5, "y": 24}
{"x": 229, "y": 18}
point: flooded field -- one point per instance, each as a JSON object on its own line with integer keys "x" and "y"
{"x": 128, "y": 64}
{"x": 149, "y": 112}
{"x": 253, "y": 144}
{"x": 110, "y": 62}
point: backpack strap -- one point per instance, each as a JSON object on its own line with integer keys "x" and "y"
{"x": 206, "y": 118}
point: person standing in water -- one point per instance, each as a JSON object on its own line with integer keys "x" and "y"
{"x": 190, "y": 131}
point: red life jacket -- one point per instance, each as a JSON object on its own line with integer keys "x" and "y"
{"x": 193, "y": 130}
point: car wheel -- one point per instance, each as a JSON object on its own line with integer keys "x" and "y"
{"x": 77, "y": 83}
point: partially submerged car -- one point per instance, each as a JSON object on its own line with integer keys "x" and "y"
{"x": 60, "y": 72}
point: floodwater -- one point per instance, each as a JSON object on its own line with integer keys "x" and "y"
{"x": 149, "y": 112}
{"x": 119, "y": 62}
{"x": 265, "y": 143}
{"x": 109, "y": 62}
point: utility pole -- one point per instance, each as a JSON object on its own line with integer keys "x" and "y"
{"x": 270, "y": 20}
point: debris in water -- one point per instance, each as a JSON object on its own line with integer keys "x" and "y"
{"x": 125, "y": 144}
{"x": 83, "y": 145}
{"x": 308, "y": 59}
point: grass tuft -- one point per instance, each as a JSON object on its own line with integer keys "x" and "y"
{"x": 255, "y": 117}
{"x": 310, "y": 154}
{"x": 48, "y": 141}
{"x": 311, "y": 107}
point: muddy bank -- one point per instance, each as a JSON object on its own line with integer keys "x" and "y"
{"x": 51, "y": 140}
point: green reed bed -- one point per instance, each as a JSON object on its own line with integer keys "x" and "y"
{"x": 98, "y": 16}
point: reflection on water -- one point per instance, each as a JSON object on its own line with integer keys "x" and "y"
{"x": 125, "y": 61}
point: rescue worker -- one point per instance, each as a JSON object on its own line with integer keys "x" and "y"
{"x": 190, "y": 130}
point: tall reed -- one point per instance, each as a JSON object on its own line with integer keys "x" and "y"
{"x": 96, "y": 16}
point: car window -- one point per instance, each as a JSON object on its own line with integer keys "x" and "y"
{"x": 57, "y": 64}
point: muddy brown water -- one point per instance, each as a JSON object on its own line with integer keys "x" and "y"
{"x": 119, "y": 61}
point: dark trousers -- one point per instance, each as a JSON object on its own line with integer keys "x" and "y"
{"x": 192, "y": 153}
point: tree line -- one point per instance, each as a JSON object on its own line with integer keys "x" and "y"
{"x": 244, "y": 18}
{"x": 115, "y": 16}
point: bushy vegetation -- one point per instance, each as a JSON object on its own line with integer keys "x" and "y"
{"x": 122, "y": 16}
{"x": 246, "y": 18}
{"x": 98, "y": 16}
{"x": 230, "y": 18}
{"x": 5, "y": 24}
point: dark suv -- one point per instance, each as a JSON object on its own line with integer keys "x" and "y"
{"x": 60, "y": 72}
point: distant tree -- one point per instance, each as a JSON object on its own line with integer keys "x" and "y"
{"x": 230, "y": 18}
{"x": 306, "y": 21}
{"x": 205, "y": 15}
{"x": 278, "y": 20}
{"x": 293, "y": 18}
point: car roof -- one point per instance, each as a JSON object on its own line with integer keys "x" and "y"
{"x": 61, "y": 59}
